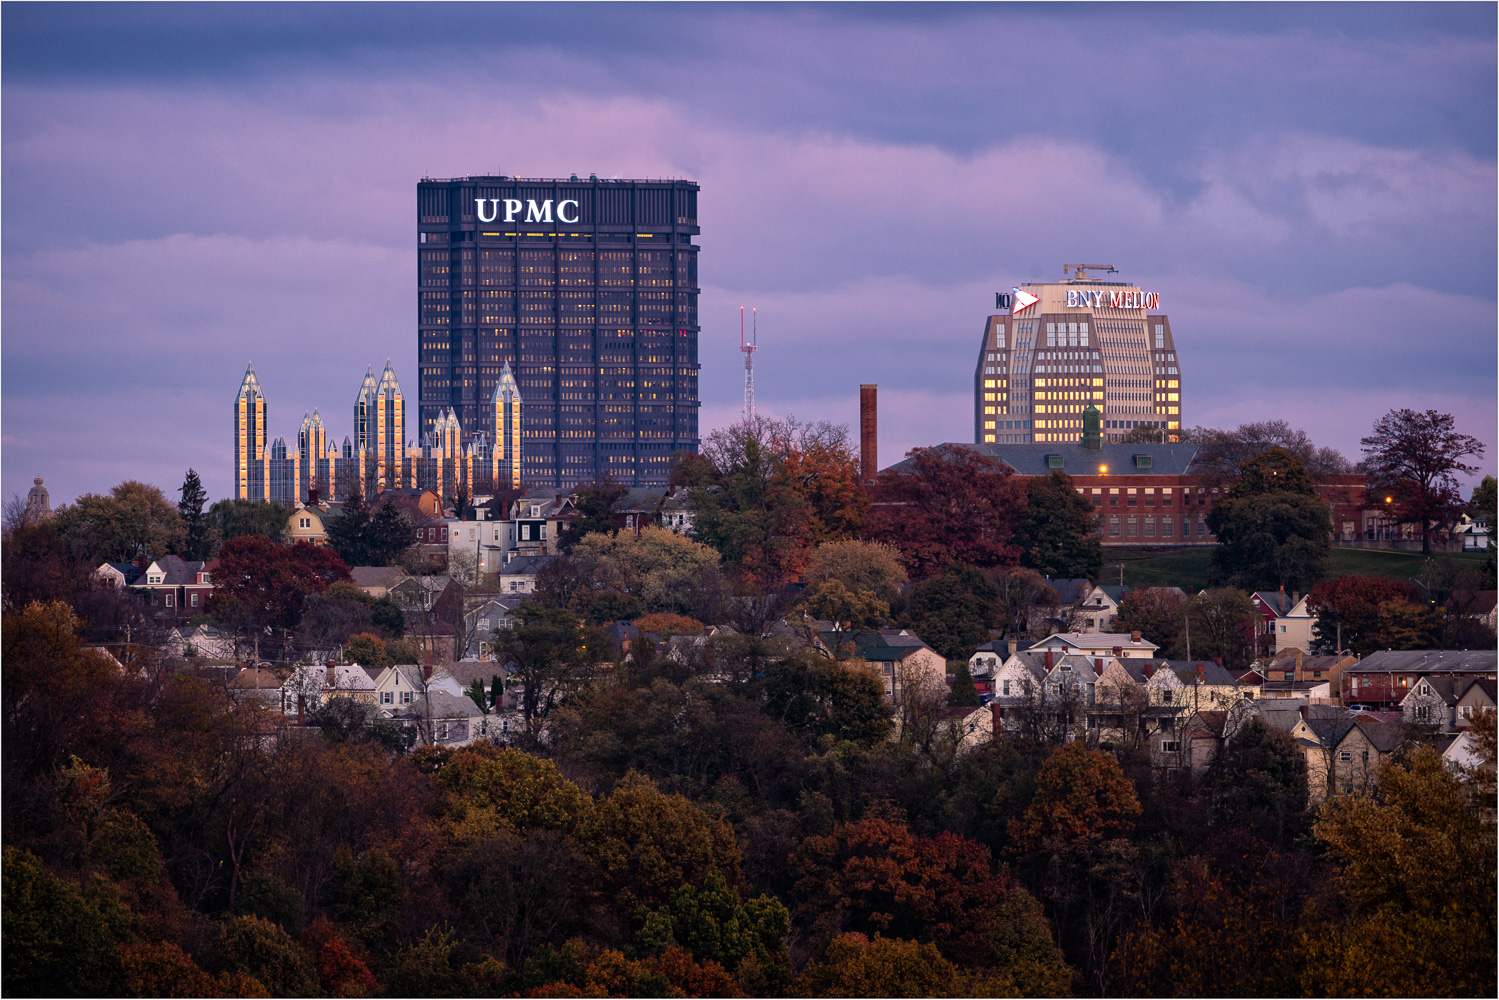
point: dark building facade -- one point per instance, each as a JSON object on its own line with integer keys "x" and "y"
{"x": 588, "y": 290}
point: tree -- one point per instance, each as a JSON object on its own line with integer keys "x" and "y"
{"x": 59, "y": 939}
{"x": 713, "y": 924}
{"x": 1273, "y": 529}
{"x": 963, "y": 690}
{"x": 953, "y": 611}
{"x": 387, "y": 535}
{"x": 757, "y": 518}
{"x": 595, "y": 505}
{"x": 1021, "y": 589}
{"x": 197, "y": 531}
{"x": 1431, "y": 930}
{"x": 550, "y": 652}
{"x": 1413, "y": 461}
{"x": 1483, "y": 502}
{"x": 259, "y": 948}
{"x": 1082, "y": 798}
{"x": 134, "y": 521}
{"x": 1220, "y": 453}
{"x": 833, "y": 602}
{"x": 1220, "y": 625}
{"x": 1058, "y": 532}
{"x": 819, "y": 697}
{"x": 366, "y": 650}
{"x": 347, "y": 533}
{"x": 948, "y": 504}
{"x": 859, "y": 566}
{"x": 668, "y": 624}
{"x": 260, "y": 584}
{"x": 1259, "y": 782}
{"x": 853, "y": 965}
{"x": 1348, "y": 612}
{"x": 1156, "y": 613}
{"x": 237, "y": 518}
{"x": 659, "y": 568}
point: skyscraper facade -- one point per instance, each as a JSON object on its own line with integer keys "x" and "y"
{"x": 1059, "y": 348}
{"x": 587, "y": 291}
{"x": 251, "y": 460}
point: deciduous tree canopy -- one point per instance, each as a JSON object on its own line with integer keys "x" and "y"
{"x": 1414, "y": 459}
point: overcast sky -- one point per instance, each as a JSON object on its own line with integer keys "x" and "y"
{"x": 1310, "y": 189}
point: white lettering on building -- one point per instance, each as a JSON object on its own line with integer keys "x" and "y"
{"x": 1097, "y": 299}
{"x": 535, "y": 211}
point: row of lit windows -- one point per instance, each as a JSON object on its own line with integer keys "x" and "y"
{"x": 1168, "y": 527}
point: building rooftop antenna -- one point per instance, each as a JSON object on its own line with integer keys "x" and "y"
{"x": 749, "y": 347}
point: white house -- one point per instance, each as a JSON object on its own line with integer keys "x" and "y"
{"x": 1097, "y": 644}
{"x": 1285, "y": 619}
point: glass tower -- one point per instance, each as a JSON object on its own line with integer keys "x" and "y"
{"x": 587, "y": 291}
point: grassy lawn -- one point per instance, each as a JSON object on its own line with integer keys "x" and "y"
{"x": 1188, "y": 568}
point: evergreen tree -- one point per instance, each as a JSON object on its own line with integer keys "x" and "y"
{"x": 347, "y": 532}
{"x": 953, "y": 611}
{"x": 197, "y": 541}
{"x": 1273, "y": 529}
{"x": 387, "y": 535}
{"x": 963, "y": 691}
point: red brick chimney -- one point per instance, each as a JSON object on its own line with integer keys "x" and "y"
{"x": 427, "y": 672}
{"x": 1048, "y": 661}
{"x": 1148, "y": 670}
{"x": 1134, "y": 637}
{"x": 1118, "y": 651}
{"x": 1098, "y": 665}
{"x": 1218, "y": 660}
{"x": 1201, "y": 673}
{"x": 332, "y": 675}
{"x": 996, "y": 720}
{"x": 869, "y": 464}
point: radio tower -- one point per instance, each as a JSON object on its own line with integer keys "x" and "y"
{"x": 749, "y": 347}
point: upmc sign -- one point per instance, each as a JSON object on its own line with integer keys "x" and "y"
{"x": 536, "y": 211}
{"x": 1085, "y": 299}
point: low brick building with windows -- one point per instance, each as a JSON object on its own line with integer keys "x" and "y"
{"x": 1150, "y": 494}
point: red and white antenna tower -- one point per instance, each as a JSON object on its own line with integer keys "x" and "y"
{"x": 749, "y": 347}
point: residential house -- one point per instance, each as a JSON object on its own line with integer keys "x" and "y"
{"x": 417, "y": 595}
{"x": 481, "y": 622}
{"x": 985, "y": 663}
{"x": 1477, "y": 698}
{"x": 1100, "y": 606}
{"x": 637, "y": 509}
{"x": 377, "y": 581}
{"x": 257, "y": 685}
{"x": 1318, "y": 692}
{"x": 1464, "y": 753}
{"x": 310, "y": 686}
{"x": 965, "y": 727}
{"x": 443, "y": 719}
{"x": 1475, "y": 535}
{"x": 1097, "y": 644}
{"x": 401, "y": 685}
{"x": 1482, "y": 605}
{"x": 1034, "y": 694}
{"x": 897, "y": 657}
{"x": 1358, "y": 754}
{"x": 518, "y": 572}
{"x": 464, "y": 672}
{"x": 1193, "y": 684}
{"x": 1432, "y": 702}
{"x": 201, "y": 641}
{"x": 310, "y": 523}
{"x": 118, "y": 574}
{"x": 1292, "y": 664}
{"x": 678, "y": 512}
{"x": 1285, "y": 622}
{"x": 178, "y": 585}
{"x": 1380, "y": 681}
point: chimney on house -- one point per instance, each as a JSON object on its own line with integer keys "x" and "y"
{"x": 332, "y": 675}
{"x": 1134, "y": 637}
{"x": 1218, "y": 660}
{"x": 1298, "y": 666}
{"x": 1148, "y": 670}
{"x": 1098, "y": 665}
{"x": 1201, "y": 673}
{"x": 996, "y": 720}
{"x": 1118, "y": 651}
{"x": 426, "y": 671}
{"x": 869, "y": 463}
{"x": 1048, "y": 661}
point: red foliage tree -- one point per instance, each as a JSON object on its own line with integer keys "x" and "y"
{"x": 1413, "y": 459}
{"x": 875, "y": 877}
{"x": 948, "y": 504}
{"x": 1348, "y": 610}
{"x": 259, "y": 583}
{"x": 342, "y": 973}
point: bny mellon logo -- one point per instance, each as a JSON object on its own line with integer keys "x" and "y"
{"x": 1023, "y": 301}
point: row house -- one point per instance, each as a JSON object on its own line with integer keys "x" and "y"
{"x": 1116, "y": 644}
{"x": 1382, "y": 680}
{"x": 898, "y": 658}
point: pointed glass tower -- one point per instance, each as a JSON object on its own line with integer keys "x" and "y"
{"x": 251, "y": 461}
{"x": 505, "y": 432}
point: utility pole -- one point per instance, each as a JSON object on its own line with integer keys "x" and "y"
{"x": 1187, "y": 620}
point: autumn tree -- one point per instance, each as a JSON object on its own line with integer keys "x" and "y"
{"x": 260, "y": 584}
{"x": 1273, "y": 529}
{"x": 876, "y": 877}
{"x": 1021, "y": 590}
{"x": 1058, "y": 532}
{"x": 948, "y": 504}
{"x": 858, "y": 566}
{"x": 817, "y": 697}
{"x": 1221, "y": 453}
{"x": 1157, "y": 613}
{"x": 658, "y": 568}
{"x": 1431, "y": 930}
{"x": 1259, "y": 782}
{"x": 1348, "y": 612}
{"x": 832, "y": 601}
{"x": 594, "y": 504}
{"x": 135, "y": 520}
{"x": 1082, "y": 798}
{"x": 1414, "y": 459}
{"x": 854, "y": 965}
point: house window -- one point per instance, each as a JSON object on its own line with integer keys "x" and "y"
{"x": 484, "y": 624}
{"x": 1345, "y": 756}
{"x": 387, "y": 697}
{"x": 169, "y": 599}
{"x": 1007, "y": 688}
{"x": 194, "y": 599}
{"x": 1170, "y": 746}
{"x": 405, "y": 697}
{"x": 1167, "y": 697}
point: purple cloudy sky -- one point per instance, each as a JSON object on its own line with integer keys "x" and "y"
{"x": 1311, "y": 190}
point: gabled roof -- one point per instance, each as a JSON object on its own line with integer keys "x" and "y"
{"x": 440, "y": 705}
{"x": 1485, "y": 685}
{"x": 176, "y": 572}
{"x": 1445, "y": 688}
{"x": 1070, "y": 590}
{"x": 1096, "y": 640}
{"x": 377, "y": 576}
{"x": 525, "y": 566}
{"x": 1186, "y": 671}
{"x": 255, "y": 679}
{"x": 1114, "y": 592}
{"x": 465, "y": 672}
{"x": 1280, "y": 603}
{"x": 1386, "y": 736}
{"x": 130, "y": 571}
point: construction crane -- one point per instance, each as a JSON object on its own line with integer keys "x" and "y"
{"x": 749, "y": 347}
{"x": 1080, "y": 271}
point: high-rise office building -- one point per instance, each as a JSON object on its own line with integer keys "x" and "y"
{"x": 587, "y": 291}
{"x": 251, "y": 460}
{"x": 1065, "y": 346}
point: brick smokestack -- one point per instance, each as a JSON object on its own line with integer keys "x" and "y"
{"x": 869, "y": 465}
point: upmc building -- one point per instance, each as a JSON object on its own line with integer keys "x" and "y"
{"x": 587, "y": 289}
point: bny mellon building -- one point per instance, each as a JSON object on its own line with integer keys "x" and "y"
{"x": 587, "y": 289}
{"x": 1057, "y": 348}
